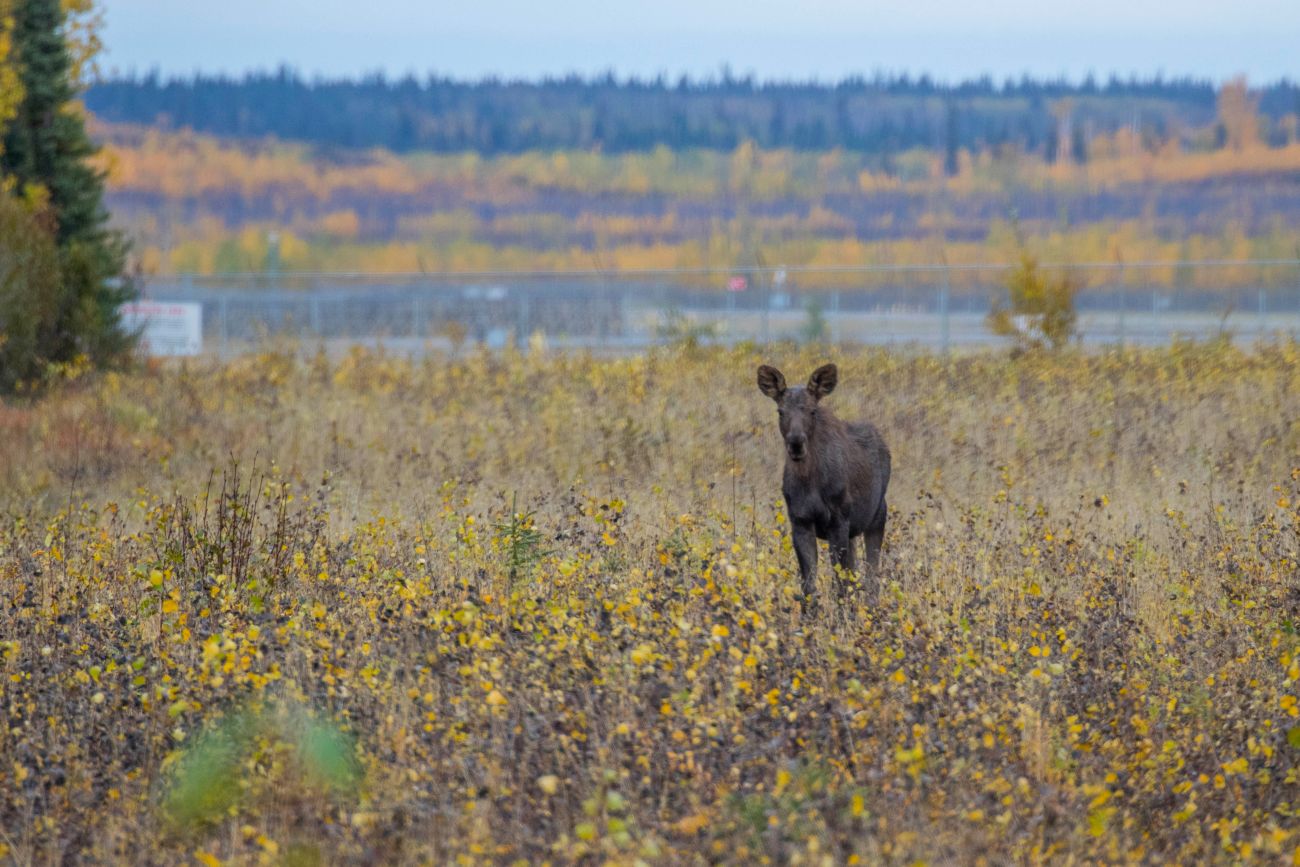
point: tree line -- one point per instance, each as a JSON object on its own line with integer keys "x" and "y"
{"x": 880, "y": 115}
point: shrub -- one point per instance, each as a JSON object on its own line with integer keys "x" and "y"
{"x": 56, "y": 308}
{"x": 815, "y": 327}
{"x": 31, "y": 297}
{"x": 67, "y": 314}
{"x": 1040, "y": 308}
{"x": 680, "y": 331}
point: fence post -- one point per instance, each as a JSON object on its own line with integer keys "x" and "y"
{"x": 315, "y": 314}
{"x": 945, "y": 290}
{"x": 835, "y": 316}
{"x": 1155, "y": 317}
{"x": 767, "y": 302}
{"x": 1123, "y": 303}
{"x": 524, "y": 324}
{"x": 625, "y": 312}
{"x": 223, "y": 326}
{"x": 731, "y": 317}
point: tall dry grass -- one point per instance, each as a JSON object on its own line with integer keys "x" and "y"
{"x": 548, "y": 603}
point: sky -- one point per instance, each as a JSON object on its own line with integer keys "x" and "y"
{"x": 796, "y": 39}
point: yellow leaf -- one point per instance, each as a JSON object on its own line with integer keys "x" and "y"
{"x": 692, "y": 824}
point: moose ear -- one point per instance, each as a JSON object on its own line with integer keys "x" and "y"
{"x": 823, "y": 381}
{"x": 771, "y": 382}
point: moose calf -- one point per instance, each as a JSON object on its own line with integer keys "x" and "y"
{"x": 836, "y": 474}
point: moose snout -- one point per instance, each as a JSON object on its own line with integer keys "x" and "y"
{"x": 796, "y": 446}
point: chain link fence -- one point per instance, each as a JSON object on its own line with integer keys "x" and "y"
{"x": 937, "y": 307}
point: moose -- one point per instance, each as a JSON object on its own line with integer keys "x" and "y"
{"x": 835, "y": 478}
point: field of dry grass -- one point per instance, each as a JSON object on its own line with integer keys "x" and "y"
{"x": 511, "y": 608}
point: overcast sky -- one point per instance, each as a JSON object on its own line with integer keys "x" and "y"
{"x": 823, "y": 39}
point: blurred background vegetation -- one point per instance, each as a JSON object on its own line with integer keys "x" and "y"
{"x": 272, "y": 171}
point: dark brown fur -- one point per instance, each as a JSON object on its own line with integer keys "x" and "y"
{"x": 836, "y": 474}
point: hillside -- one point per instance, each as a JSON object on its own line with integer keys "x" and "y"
{"x": 199, "y": 203}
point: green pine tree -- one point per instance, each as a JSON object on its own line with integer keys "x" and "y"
{"x": 46, "y": 152}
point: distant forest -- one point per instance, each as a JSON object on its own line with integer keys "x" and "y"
{"x": 879, "y": 116}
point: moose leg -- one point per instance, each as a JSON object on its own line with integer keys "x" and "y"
{"x": 805, "y": 549}
{"x": 872, "y": 541}
{"x": 842, "y": 556}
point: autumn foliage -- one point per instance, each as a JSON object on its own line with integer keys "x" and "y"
{"x": 1039, "y": 309}
{"x": 197, "y": 203}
